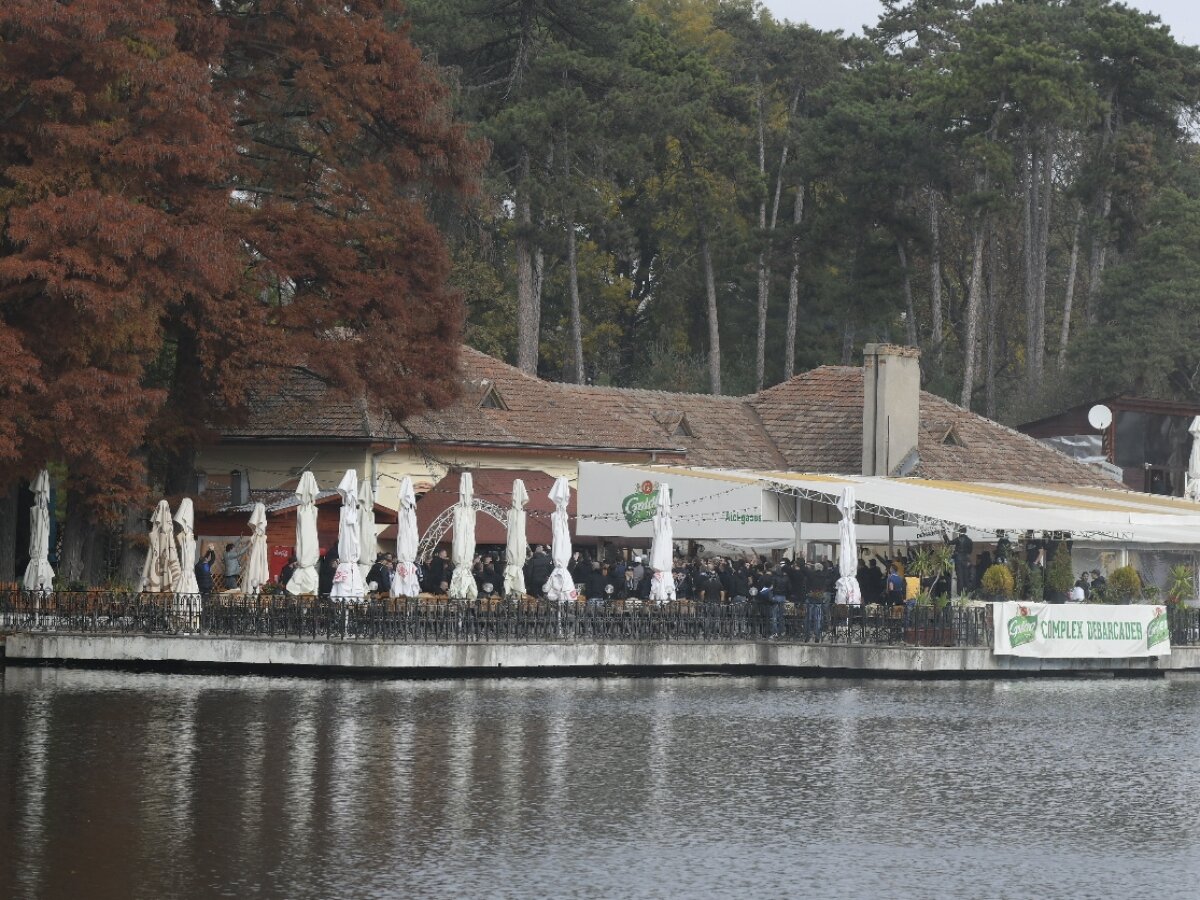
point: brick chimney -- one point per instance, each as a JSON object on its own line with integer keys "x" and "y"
{"x": 891, "y": 408}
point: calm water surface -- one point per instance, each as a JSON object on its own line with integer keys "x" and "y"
{"x": 154, "y": 786}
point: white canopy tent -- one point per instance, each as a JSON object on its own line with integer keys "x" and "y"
{"x": 559, "y": 586}
{"x": 462, "y": 552}
{"x": 348, "y": 579}
{"x": 404, "y": 581}
{"x": 308, "y": 550}
{"x": 257, "y": 572}
{"x": 517, "y": 542}
{"x": 1087, "y": 513}
{"x": 662, "y": 550}
{"x": 38, "y": 574}
{"x": 367, "y": 541}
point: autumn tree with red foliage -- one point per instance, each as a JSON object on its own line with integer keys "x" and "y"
{"x": 197, "y": 196}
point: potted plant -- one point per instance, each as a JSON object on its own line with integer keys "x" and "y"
{"x": 1181, "y": 586}
{"x": 1125, "y": 584}
{"x": 998, "y": 583}
{"x": 1059, "y": 579}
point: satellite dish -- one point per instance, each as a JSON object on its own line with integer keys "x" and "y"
{"x": 1100, "y": 417}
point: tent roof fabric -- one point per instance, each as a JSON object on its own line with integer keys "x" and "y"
{"x": 812, "y": 423}
{"x": 1085, "y": 512}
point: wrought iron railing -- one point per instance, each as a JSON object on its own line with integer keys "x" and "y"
{"x": 432, "y": 620}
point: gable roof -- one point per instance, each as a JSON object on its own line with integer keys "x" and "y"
{"x": 811, "y": 423}
{"x": 815, "y": 420}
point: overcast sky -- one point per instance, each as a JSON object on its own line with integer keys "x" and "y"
{"x": 849, "y": 15}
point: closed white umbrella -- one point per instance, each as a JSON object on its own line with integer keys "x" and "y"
{"x": 161, "y": 569}
{"x": 368, "y": 545}
{"x": 404, "y": 582}
{"x": 187, "y": 591}
{"x": 308, "y": 551}
{"x": 1193, "y": 473}
{"x": 847, "y": 590}
{"x": 348, "y": 580}
{"x": 185, "y": 518}
{"x": 38, "y": 574}
{"x": 518, "y": 542}
{"x": 662, "y": 551}
{"x": 462, "y": 553}
{"x": 559, "y": 586}
{"x": 257, "y": 572}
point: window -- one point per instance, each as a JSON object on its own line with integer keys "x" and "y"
{"x": 492, "y": 399}
{"x": 682, "y": 429}
{"x": 951, "y": 438}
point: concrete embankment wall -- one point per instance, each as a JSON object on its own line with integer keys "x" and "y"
{"x": 453, "y": 659}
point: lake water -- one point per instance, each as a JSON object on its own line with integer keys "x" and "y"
{"x": 157, "y": 786}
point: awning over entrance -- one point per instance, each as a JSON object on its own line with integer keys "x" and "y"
{"x": 1084, "y": 512}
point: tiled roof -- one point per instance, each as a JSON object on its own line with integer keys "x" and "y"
{"x": 815, "y": 420}
{"x": 812, "y": 423}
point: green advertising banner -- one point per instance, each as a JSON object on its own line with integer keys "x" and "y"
{"x": 1080, "y": 630}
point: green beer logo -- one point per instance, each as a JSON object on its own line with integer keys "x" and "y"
{"x": 1157, "y": 631}
{"x": 1022, "y": 628}
{"x": 639, "y": 506}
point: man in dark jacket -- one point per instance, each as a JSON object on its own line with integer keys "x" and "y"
{"x": 537, "y": 570}
{"x": 594, "y": 583}
{"x": 326, "y": 571}
{"x": 380, "y": 574}
{"x": 439, "y": 572}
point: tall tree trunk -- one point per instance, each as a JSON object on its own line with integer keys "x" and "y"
{"x": 971, "y": 318}
{"x": 1043, "y": 245}
{"x": 910, "y": 314}
{"x": 793, "y": 310}
{"x": 1064, "y": 336}
{"x": 576, "y": 318}
{"x": 847, "y": 341}
{"x": 8, "y": 534}
{"x": 573, "y": 273}
{"x": 133, "y": 548}
{"x": 1029, "y": 229}
{"x": 75, "y": 531}
{"x": 993, "y": 303}
{"x": 714, "y": 330}
{"x": 1098, "y": 254}
{"x": 935, "y": 279}
{"x": 764, "y": 278}
{"x": 529, "y": 311}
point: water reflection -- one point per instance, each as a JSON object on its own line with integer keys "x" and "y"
{"x": 119, "y": 785}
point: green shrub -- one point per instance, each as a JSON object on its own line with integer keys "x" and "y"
{"x": 998, "y": 581}
{"x": 1125, "y": 583}
{"x": 1020, "y": 575}
{"x": 1059, "y": 579}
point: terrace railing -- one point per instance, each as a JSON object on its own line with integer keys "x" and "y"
{"x": 439, "y": 620}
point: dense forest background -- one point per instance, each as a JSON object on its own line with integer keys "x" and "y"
{"x": 691, "y": 195}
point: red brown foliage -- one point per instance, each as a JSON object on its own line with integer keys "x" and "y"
{"x": 196, "y": 195}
